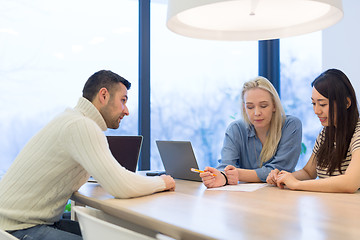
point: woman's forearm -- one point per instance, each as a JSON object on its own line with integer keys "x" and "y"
{"x": 340, "y": 184}
{"x": 302, "y": 175}
{"x": 246, "y": 175}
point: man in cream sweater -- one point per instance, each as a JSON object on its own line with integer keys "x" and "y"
{"x": 59, "y": 159}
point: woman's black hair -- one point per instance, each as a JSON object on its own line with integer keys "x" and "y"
{"x": 336, "y": 87}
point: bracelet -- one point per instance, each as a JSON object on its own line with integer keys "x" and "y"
{"x": 226, "y": 179}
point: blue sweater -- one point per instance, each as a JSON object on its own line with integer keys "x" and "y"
{"x": 242, "y": 148}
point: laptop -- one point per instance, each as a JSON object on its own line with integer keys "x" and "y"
{"x": 126, "y": 150}
{"x": 178, "y": 157}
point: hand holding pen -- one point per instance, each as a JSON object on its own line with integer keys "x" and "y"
{"x": 198, "y": 171}
{"x": 212, "y": 177}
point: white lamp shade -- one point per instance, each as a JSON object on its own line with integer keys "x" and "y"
{"x": 251, "y": 19}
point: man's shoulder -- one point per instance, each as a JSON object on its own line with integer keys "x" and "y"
{"x": 72, "y": 117}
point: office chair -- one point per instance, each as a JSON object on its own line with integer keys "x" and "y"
{"x": 96, "y": 224}
{"x": 6, "y": 236}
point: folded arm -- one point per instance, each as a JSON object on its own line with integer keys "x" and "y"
{"x": 346, "y": 183}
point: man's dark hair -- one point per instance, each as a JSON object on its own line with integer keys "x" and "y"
{"x": 102, "y": 79}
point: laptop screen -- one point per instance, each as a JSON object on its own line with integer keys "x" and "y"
{"x": 126, "y": 150}
{"x": 178, "y": 158}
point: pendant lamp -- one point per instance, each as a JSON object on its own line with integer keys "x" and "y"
{"x": 248, "y": 20}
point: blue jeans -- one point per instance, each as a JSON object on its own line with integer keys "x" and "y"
{"x": 64, "y": 229}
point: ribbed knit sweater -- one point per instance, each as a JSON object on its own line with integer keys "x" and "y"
{"x": 56, "y": 162}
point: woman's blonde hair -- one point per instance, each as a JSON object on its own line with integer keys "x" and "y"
{"x": 274, "y": 134}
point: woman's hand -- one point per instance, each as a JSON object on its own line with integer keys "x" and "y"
{"x": 212, "y": 177}
{"x": 272, "y": 177}
{"x": 286, "y": 178}
{"x": 232, "y": 174}
{"x": 169, "y": 182}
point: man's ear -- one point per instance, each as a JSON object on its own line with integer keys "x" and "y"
{"x": 103, "y": 96}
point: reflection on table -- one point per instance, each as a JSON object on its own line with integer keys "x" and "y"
{"x": 192, "y": 212}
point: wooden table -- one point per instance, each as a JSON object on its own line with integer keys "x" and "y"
{"x": 192, "y": 212}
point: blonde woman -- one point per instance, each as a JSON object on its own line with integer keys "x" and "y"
{"x": 266, "y": 139}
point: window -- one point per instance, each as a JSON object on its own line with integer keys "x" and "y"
{"x": 195, "y": 88}
{"x": 301, "y": 61}
{"x": 48, "y": 51}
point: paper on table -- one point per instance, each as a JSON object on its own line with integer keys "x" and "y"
{"x": 242, "y": 187}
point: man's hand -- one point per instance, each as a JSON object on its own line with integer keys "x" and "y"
{"x": 169, "y": 182}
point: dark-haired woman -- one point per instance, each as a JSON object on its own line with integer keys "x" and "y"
{"x": 336, "y": 155}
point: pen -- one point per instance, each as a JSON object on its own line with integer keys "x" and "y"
{"x": 199, "y": 171}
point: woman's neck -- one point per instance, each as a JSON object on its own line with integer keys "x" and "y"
{"x": 261, "y": 134}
